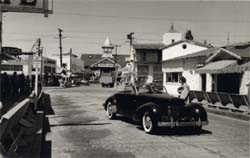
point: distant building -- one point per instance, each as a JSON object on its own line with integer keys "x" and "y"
{"x": 171, "y": 36}
{"x": 27, "y": 65}
{"x": 70, "y": 62}
{"x": 105, "y": 62}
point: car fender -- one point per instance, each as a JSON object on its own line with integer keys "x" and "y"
{"x": 197, "y": 109}
{"x": 151, "y": 107}
{"x": 111, "y": 99}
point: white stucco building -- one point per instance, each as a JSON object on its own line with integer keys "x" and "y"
{"x": 175, "y": 63}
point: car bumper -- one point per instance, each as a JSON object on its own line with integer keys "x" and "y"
{"x": 182, "y": 124}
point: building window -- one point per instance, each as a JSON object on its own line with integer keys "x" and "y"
{"x": 157, "y": 73}
{"x": 12, "y": 67}
{"x": 157, "y": 68}
{"x": 143, "y": 56}
{"x": 142, "y": 70}
{"x": 173, "y": 77}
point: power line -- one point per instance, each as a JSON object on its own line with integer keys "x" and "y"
{"x": 154, "y": 18}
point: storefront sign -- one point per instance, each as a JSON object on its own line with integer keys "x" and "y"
{"x": 27, "y": 6}
{"x": 11, "y": 51}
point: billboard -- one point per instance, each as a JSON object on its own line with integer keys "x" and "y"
{"x": 25, "y": 6}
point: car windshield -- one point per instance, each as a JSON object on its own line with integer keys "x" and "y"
{"x": 144, "y": 89}
{"x": 158, "y": 89}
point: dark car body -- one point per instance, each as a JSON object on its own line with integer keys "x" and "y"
{"x": 163, "y": 109}
{"x": 85, "y": 82}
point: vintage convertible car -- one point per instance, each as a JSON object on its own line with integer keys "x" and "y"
{"x": 153, "y": 107}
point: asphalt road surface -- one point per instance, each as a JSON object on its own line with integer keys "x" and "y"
{"x": 79, "y": 128}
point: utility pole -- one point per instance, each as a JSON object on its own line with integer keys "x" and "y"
{"x": 227, "y": 38}
{"x": 36, "y": 75}
{"x": 60, "y": 46}
{"x": 70, "y": 60}
{"x": 131, "y": 38}
{"x": 116, "y": 63}
{"x": 1, "y": 55}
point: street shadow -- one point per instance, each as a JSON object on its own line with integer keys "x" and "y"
{"x": 125, "y": 119}
{"x": 178, "y": 131}
{"x": 46, "y": 144}
{"x": 167, "y": 131}
{"x": 79, "y": 124}
{"x": 46, "y": 106}
{"x": 46, "y": 149}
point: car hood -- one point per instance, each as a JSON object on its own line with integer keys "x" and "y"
{"x": 159, "y": 95}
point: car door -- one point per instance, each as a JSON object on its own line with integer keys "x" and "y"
{"x": 127, "y": 100}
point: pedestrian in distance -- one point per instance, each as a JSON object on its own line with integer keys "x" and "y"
{"x": 21, "y": 79}
{"x": 183, "y": 90}
{"x": 14, "y": 85}
{"x": 5, "y": 86}
{"x": 28, "y": 85}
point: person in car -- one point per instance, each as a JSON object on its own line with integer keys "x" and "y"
{"x": 184, "y": 89}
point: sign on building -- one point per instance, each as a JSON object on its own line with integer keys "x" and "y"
{"x": 11, "y": 51}
{"x": 27, "y": 6}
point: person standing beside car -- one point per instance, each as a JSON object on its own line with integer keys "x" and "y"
{"x": 183, "y": 90}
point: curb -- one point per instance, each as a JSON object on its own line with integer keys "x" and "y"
{"x": 37, "y": 141}
{"x": 235, "y": 115}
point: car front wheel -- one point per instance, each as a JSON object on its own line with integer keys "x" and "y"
{"x": 148, "y": 123}
{"x": 109, "y": 112}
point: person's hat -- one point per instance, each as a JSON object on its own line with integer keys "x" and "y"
{"x": 182, "y": 79}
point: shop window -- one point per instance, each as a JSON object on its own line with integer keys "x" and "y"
{"x": 173, "y": 77}
{"x": 142, "y": 70}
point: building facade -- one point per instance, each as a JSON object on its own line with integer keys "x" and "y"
{"x": 147, "y": 64}
{"x": 177, "y": 61}
{"x": 228, "y": 69}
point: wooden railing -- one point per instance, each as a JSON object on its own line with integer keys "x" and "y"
{"x": 13, "y": 124}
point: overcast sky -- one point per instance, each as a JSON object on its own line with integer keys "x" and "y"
{"x": 86, "y": 24}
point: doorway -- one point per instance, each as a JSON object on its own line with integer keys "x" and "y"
{"x": 228, "y": 83}
{"x": 203, "y": 82}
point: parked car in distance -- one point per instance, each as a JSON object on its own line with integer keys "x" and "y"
{"x": 153, "y": 107}
{"x": 85, "y": 82}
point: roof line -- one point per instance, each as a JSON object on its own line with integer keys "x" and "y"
{"x": 188, "y": 41}
{"x": 220, "y": 51}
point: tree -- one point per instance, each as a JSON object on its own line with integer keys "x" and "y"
{"x": 189, "y": 35}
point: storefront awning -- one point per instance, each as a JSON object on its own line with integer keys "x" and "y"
{"x": 222, "y": 66}
{"x": 244, "y": 67}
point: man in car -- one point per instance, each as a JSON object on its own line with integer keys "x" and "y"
{"x": 184, "y": 89}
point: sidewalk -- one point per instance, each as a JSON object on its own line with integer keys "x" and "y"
{"x": 236, "y": 115}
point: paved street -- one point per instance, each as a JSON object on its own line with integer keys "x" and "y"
{"x": 79, "y": 128}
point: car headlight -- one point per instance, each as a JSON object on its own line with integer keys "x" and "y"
{"x": 154, "y": 110}
{"x": 197, "y": 110}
